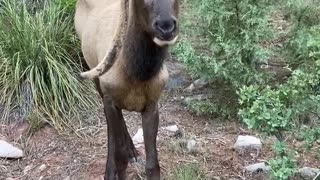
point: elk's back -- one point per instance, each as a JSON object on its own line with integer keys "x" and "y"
{"x": 96, "y": 23}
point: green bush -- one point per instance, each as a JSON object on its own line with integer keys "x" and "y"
{"x": 230, "y": 39}
{"x": 274, "y": 110}
{"x": 224, "y": 44}
{"x": 39, "y": 64}
{"x": 303, "y": 12}
{"x": 282, "y": 166}
{"x": 233, "y": 31}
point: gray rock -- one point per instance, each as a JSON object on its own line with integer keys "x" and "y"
{"x": 259, "y": 167}
{"x": 9, "y": 151}
{"x": 247, "y": 142}
{"x": 190, "y": 88}
{"x": 42, "y": 167}
{"x": 191, "y": 145}
{"x": 67, "y": 178}
{"x": 198, "y": 97}
{"x": 200, "y": 83}
{"x": 216, "y": 178}
{"x": 307, "y": 173}
{"x": 138, "y": 138}
{"x": 172, "y": 128}
{"x": 197, "y": 84}
{"x": 27, "y": 169}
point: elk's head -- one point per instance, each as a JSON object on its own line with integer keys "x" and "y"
{"x": 160, "y": 19}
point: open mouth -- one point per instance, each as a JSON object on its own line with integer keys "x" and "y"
{"x": 167, "y": 37}
{"x": 165, "y": 41}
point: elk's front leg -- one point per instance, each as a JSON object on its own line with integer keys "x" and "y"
{"x": 150, "y": 122}
{"x": 117, "y": 161}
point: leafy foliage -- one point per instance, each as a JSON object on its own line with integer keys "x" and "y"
{"x": 282, "y": 166}
{"x": 230, "y": 39}
{"x": 38, "y": 67}
{"x": 223, "y": 44}
{"x": 233, "y": 30}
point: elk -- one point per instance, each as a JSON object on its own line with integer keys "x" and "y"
{"x": 124, "y": 43}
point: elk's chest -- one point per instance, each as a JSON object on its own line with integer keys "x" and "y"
{"x": 132, "y": 95}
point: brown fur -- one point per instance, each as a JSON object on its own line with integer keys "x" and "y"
{"x": 111, "y": 55}
{"x": 130, "y": 95}
{"x": 124, "y": 43}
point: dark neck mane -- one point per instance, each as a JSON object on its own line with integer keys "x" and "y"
{"x": 144, "y": 59}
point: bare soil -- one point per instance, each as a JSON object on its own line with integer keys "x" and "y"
{"x": 53, "y": 156}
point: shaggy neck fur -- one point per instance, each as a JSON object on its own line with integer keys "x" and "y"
{"x": 144, "y": 57}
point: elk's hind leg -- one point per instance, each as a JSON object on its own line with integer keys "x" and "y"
{"x": 117, "y": 161}
{"x": 132, "y": 152}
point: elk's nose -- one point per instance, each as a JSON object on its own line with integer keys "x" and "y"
{"x": 165, "y": 26}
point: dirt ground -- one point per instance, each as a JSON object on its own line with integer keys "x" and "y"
{"x": 53, "y": 156}
{"x": 50, "y": 155}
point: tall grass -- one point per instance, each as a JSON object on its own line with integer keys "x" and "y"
{"x": 39, "y": 65}
{"x": 188, "y": 172}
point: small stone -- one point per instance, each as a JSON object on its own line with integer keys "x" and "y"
{"x": 190, "y": 88}
{"x": 172, "y": 128}
{"x": 247, "y": 142}
{"x": 9, "y": 151}
{"x": 259, "y": 167}
{"x": 308, "y": 173}
{"x": 216, "y": 178}
{"x": 42, "y": 167}
{"x": 197, "y": 84}
{"x": 279, "y": 45}
{"x": 198, "y": 97}
{"x": 27, "y": 169}
{"x": 67, "y": 178}
{"x": 138, "y": 137}
{"x": 200, "y": 83}
{"x": 191, "y": 145}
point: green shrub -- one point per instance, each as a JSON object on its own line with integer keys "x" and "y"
{"x": 282, "y": 166}
{"x": 229, "y": 39}
{"x": 303, "y": 12}
{"x": 224, "y": 44}
{"x": 233, "y": 30}
{"x": 39, "y": 64}
{"x": 276, "y": 109}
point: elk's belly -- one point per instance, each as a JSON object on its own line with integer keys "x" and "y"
{"x": 133, "y": 96}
